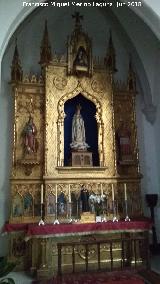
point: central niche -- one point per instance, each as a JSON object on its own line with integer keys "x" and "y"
{"x": 88, "y": 112}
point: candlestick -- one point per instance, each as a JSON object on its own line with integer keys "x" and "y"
{"x": 41, "y": 193}
{"x": 101, "y": 190}
{"x": 56, "y": 221}
{"x": 69, "y": 193}
{"x": 56, "y": 193}
{"x": 126, "y": 208}
{"x": 112, "y": 192}
{"x": 125, "y": 192}
{"x": 115, "y": 219}
{"x": 41, "y": 222}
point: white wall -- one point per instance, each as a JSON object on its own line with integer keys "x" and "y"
{"x": 130, "y": 35}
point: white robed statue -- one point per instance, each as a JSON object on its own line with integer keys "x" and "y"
{"x": 78, "y": 131}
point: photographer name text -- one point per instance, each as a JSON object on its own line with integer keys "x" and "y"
{"x": 84, "y": 4}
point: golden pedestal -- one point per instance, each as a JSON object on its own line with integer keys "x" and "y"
{"x": 82, "y": 159}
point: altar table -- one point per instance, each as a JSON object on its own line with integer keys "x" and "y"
{"x": 76, "y": 247}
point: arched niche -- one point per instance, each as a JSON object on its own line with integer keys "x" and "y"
{"x": 88, "y": 112}
{"x": 79, "y": 95}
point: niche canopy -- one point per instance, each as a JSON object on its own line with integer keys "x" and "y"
{"x": 79, "y": 50}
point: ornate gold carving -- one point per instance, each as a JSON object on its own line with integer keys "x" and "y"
{"x": 32, "y": 78}
{"x": 60, "y": 82}
{"x": 97, "y": 86}
{"x": 113, "y": 103}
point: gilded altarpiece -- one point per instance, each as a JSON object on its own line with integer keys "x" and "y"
{"x": 39, "y": 138}
{"x": 45, "y": 104}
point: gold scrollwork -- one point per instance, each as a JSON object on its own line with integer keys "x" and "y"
{"x": 60, "y": 82}
{"x": 97, "y": 86}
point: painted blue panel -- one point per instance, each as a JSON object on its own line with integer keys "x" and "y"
{"x": 88, "y": 112}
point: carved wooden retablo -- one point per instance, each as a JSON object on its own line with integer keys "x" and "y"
{"x": 73, "y": 126}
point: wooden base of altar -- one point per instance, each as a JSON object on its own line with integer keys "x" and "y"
{"x": 55, "y": 249}
{"x": 82, "y": 159}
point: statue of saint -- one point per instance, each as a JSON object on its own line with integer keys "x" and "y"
{"x": 84, "y": 199}
{"x": 29, "y": 133}
{"x": 78, "y": 131}
{"x": 81, "y": 58}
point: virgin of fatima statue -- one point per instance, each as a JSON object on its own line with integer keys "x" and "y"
{"x": 78, "y": 131}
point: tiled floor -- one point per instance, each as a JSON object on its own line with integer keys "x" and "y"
{"x": 24, "y": 278}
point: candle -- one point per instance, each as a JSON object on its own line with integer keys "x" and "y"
{"x": 125, "y": 192}
{"x": 41, "y": 193}
{"x": 56, "y": 193}
{"x": 101, "y": 190}
{"x": 69, "y": 193}
{"x": 112, "y": 192}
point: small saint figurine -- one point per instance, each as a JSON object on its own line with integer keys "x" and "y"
{"x": 81, "y": 58}
{"x": 84, "y": 199}
{"x": 29, "y": 133}
{"x": 78, "y": 131}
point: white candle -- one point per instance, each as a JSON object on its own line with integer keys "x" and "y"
{"x": 112, "y": 192}
{"x": 69, "y": 193}
{"x": 56, "y": 193}
{"x": 125, "y": 192}
{"x": 41, "y": 193}
{"x": 101, "y": 190}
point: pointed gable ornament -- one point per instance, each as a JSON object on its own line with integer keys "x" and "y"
{"x": 16, "y": 69}
{"x": 110, "y": 59}
{"x": 131, "y": 80}
{"x": 45, "y": 53}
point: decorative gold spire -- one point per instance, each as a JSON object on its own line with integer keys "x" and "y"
{"x": 45, "y": 54}
{"x": 16, "y": 69}
{"x": 110, "y": 59}
{"x": 131, "y": 80}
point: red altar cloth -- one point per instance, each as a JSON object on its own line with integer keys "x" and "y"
{"x": 48, "y": 230}
{"x": 8, "y": 228}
